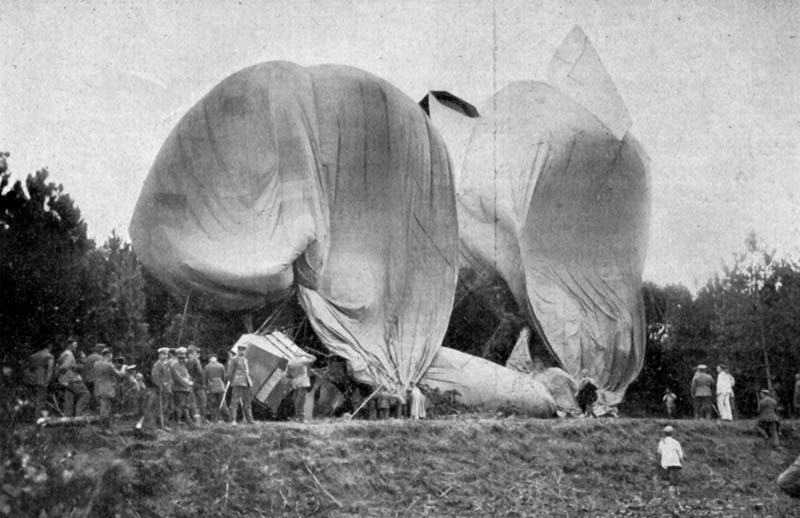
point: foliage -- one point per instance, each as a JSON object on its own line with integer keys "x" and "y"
{"x": 745, "y": 317}
{"x": 55, "y": 282}
{"x": 114, "y": 299}
{"x": 43, "y": 243}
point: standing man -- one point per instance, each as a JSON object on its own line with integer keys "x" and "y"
{"x": 161, "y": 376}
{"x": 768, "y": 417}
{"x": 198, "y": 376}
{"x": 215, "y": 384}
{"x": 39, "y": 374}
{"x": 239, "y": 375}
{"x": 702, "y": 393}
{"x": 88, "y": 364}
{"x": 76, "y": 396}
{"x": 182, "y": 388}
{"x": 796, "y": 400}
{"x": 105, "y": 383}
{"x": 725, "y": 384}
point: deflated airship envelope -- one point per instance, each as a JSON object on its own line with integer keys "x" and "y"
{"x": 553, "y": 194}
{"x": 324, "y": 177}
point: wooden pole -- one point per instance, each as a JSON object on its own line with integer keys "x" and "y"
{"x": 183, "y": 319}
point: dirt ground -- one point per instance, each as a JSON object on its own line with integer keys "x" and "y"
{"x": 464, "y": 466}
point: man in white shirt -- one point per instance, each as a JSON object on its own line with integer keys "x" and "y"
{"x": 725, "y": 384}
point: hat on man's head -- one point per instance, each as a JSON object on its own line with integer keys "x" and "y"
{"x": 192, "y": 348}
{"x": 668, "y": 429}
{"x": 108, "y": 350}
{"x": 164, "y": 350}
{"x": 701, "y": 367}
{"x": 99, "y": 347}
{"x": 181, "y": 351}
{"x": 765, "y": 392}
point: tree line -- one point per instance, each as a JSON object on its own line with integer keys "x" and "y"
{"x": 57, "y": 282}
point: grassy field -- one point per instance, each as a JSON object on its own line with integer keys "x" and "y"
{"x": 465, "y": 466}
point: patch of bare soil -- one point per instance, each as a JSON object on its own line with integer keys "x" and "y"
{"x": 466, "y": 466}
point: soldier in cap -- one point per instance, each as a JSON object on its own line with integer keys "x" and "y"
{"x": 238, "y": 373}
{"x": 76, "y": 397}
{"x": 161, "y": 376}
{"x": 215, "y": 385}
{"x": 105, "y": 383}
{"x": 198, "y": 376}
{"x": 182, "y": 388}
{"x": 768, "y": 417}
{"x": 702, "y": 393}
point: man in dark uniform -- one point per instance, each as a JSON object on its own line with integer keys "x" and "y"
{"x": 238, "y": 373}
{"x": 182, "y": 388}
{"x": 768, "y": 417}
{"x": 105, "y": 383}
{"x": 198, "y": 376}
{"x": 702, "y": 391}
{"x": 161, "y": 376}
{"x": 76, "y": 395}
{"x": 215, "y": 384}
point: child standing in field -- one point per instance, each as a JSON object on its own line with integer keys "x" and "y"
{"x": 669, "y": 401}
{"x": 671, "y": 455}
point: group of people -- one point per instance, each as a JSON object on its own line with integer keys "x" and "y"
{"x": 384, "y": 406}
{"x": 189, "y": 392}
{"x": 704, "y": 388}
{"x": 181, "y": 389}
{"x": 81, "y": 381}
{"x": 184, "y": 389}
{"x": 702, "y": 393}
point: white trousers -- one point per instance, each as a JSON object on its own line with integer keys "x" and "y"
{"x": 724, "y": 406}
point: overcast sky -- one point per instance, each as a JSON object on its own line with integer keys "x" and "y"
{"x": 91, "y": 90}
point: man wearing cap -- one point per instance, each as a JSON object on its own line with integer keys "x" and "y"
{"x": 76, "y": 397}
{"x": 198, "y": 376}
{"x": 725, "y": 384}
{"x": 105, "y": 383}
{"x": 215, "y": 384}
{"x": 238, "y": 373}
{"x": 182, "y": 388}
{"x": 702, "y": 393}
{"x": 768, "y": 417}
{"x": 161, "y": 376}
